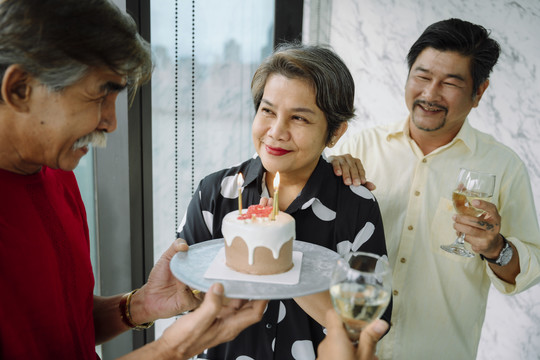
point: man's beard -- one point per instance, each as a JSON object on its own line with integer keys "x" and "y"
{"x": 96, "y": 138}
{"x": 429, "y": 106}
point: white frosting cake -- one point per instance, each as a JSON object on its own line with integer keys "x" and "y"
{"x": 255, "y": 244}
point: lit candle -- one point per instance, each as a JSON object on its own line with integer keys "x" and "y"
{"x": 240, "y": 182}
{"x": 275, "y": 210}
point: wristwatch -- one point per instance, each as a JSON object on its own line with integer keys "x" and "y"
{"x": 504, "y": 257}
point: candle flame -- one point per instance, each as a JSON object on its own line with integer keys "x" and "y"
{"x": 240, "y": 180}
{"x": 276, "y": 181}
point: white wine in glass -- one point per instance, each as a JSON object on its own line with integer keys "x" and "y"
{"x": 471, "y": 185}
{"x": 360, "y": 289}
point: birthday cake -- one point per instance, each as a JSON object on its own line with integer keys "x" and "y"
{"x": 256, "y": 242}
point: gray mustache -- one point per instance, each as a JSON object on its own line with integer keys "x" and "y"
{"x": 96, "y": 139}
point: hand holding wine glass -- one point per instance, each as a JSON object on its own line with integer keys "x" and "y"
{"x": 360, "y": 289}
{"x": 471, "y": 185}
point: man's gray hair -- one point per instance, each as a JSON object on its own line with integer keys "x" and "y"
{"x": 59, "y": 41}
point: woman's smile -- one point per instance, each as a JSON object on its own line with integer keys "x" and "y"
{"x": 276, "y": 151}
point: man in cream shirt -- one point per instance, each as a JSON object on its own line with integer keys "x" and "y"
{"x": 440, "y": 298}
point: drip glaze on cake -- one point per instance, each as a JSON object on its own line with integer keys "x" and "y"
{"x": 260, "y": 232}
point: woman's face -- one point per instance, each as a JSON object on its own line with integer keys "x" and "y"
{"x": 289, "y": 130}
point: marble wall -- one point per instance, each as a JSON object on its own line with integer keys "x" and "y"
{"x": 373, "y": 38}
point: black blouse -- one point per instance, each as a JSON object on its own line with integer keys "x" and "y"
{"x": 327, "y": 212}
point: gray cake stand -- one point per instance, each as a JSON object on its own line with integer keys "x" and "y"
{"x": 317, "y": 265}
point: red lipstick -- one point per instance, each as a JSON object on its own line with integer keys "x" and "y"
{"x": 276, "y": 151}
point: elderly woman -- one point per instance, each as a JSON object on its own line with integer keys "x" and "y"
{"x": 303, "y": 96}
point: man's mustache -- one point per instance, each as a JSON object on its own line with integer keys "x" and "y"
{"x": 96, "y": 138}
{"x": 430, "y": 106}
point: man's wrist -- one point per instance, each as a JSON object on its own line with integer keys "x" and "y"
{"x": 504, "y": 256}
{"x": 493, "y": 255}
{"x": 126, "y": 306}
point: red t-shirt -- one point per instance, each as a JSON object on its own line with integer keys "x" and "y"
{"x": 46, "y": 279}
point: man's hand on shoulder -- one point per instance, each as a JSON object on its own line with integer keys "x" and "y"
{"x": 351, "y": 169}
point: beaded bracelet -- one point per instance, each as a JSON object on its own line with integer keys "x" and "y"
{"x": 124, "y": 305}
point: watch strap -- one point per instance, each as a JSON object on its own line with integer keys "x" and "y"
{"x": 497, "y": 260}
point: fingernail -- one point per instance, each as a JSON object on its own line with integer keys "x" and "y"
{"x": 380, "y": 326}
{"x": 217, "y": 289}
{"x": 357, "y": 183}
{"x": 338, "y": 172}
{"x": 454, "y": 217}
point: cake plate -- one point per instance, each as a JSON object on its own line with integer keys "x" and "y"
{"x": 316, "y": 269}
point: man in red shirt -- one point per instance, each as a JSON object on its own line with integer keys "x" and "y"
{"x": 62, "y": 65}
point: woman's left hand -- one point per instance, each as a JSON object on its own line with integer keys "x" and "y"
{"x": 266, "y": 201}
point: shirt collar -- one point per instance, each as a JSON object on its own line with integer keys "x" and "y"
{"x": 254, "y": 171}
{"x": 465, "y": 134}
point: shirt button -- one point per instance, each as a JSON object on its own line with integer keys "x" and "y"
{"x": 417, "y": 193}
{"x": 395, "y": 292}
{"x": 403, "y": 260}
{"x": 424, "y": 160}
{"x": 410, "y": 227}
{"x": 268, "y": 326}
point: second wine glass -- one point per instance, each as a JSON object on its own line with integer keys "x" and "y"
{"x": 471, "y": 185}
{"x": 360, "y": 289}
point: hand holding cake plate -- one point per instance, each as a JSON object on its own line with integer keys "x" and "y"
{"x": 315, "y": 271}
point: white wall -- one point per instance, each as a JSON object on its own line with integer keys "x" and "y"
{"x": 374, "y": 36}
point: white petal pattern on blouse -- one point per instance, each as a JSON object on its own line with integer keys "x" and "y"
{"x": 182, "y": 223}
{"x": 363, "y": 236}
{"x": 303, "y": 350}
{"x": 343, "y": 247}
{"x": 362, "y": 191}
{"x": 208, "y": 220}
{"x": 229, "y": 187}
{"x": 308, "y": 203}
{"x": 282, "y": 312}
{"x": 321, "y": 211}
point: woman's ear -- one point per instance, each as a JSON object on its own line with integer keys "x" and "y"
{"x": 337, "y": 134}
{"x": 16, "y": 88}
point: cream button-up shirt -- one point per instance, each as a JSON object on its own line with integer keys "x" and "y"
{"x": 440, "y": 298}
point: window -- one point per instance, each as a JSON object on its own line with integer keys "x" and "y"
{"x": 205, "y": 53}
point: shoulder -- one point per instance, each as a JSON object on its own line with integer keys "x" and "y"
{"x": 346, "y": 194}
{"x": 357, "y": 140}
{"x": 216, "y": 178}
{"x": 379, "y": 131}
{"x": 488, "y": 145}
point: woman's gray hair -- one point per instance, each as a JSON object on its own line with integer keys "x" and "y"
{"x": 59, "y": 41}
{"x": 320, "y": 67}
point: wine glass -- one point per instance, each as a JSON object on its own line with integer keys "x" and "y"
{"x": 471, "y": 185}
{"x": 360, "y": 288}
